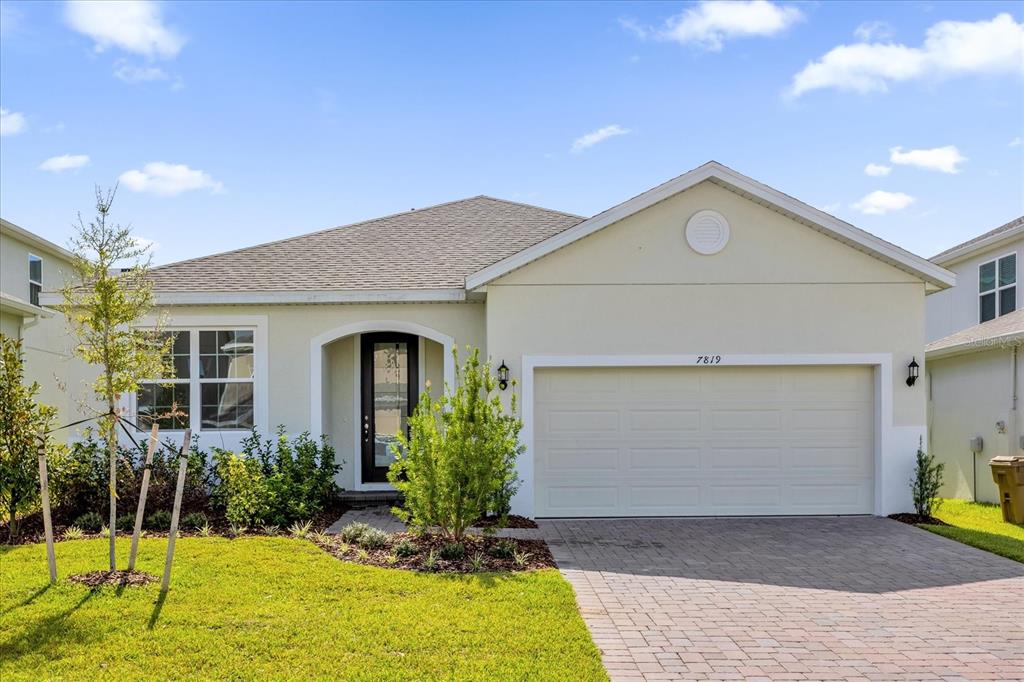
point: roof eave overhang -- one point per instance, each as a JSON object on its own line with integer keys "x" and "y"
{"x": 935, "y": 276}
{"x": 965, "y": 252}
{"x": 1004, "y": 341}
{"x": 311, "y": 297}
{"x": 22, "y": 307}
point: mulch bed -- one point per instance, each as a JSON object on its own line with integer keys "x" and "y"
{"x": 513, "y": 521}
{"x": 915, "y": 519}
{"x": 116, "y": 578}
{"x": 491, "y": 554}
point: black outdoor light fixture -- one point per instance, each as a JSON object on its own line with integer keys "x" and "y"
{"x": 503, "y": 375}
{"x": 912, "y": 371}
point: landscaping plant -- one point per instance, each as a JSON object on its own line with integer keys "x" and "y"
{"x": 103, "y": 306}
{"x": 22, "y": 420}
{"x": 458, "y": 460}
{"x": 927, "y": 481}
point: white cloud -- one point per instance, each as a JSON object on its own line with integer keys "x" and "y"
{"x": 873, "y": 30}
{"x": 599, "y": 135}
{"x": 59, "y": 164}
{"x": 712, "y": 22}
{"x": 134, "y": 75}
{"x": 877, "y": 170}
{"x": 945, "y": 159}
{"x": 132, "y": 25}
{"x": 11, "y": 122}
{"x": 166, "y": 179}
{"x": 1016, "y": 142}
{"x": 880, "y": 202}
{"x": 951, "y": 48}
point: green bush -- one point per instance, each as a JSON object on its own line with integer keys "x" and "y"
{"x": 504, "y": 549}
{"x": 158, "y": 520}
{"x": 275, "y": 481}
{"x": 405, "y": 548}
{"x": 927, "y": 480}
{"x": 126, "y": 523}
{"x": 353, "y": 531}
{"x": 458, "y": 461}
{"x": 373, "y": 538}
{"x": 91, "y": 522}
{"x": 452, "y": 551}
{"x": 194, "y": 521}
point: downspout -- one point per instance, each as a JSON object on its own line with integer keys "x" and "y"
{"x": 1016, "y": 438}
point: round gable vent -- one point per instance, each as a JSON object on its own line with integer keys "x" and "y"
{"x": 707, "y": 232}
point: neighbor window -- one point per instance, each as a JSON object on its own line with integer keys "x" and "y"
{"x": 213, "y": 384}
{"x": 35, "y": 278}
{"x": 997, "y": 287}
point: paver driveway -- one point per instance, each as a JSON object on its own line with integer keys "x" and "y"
{"x": 794, "y": 598}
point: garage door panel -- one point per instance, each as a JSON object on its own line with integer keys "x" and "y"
{"x": 644, "y": 449}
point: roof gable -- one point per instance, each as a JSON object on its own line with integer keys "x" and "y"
{"x": 854, "y": 237}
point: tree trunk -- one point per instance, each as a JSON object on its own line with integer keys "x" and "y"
{"x": 12, "y": 525}
{"x": 112, "y": 450}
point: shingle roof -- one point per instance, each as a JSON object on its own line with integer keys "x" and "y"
{"x": 1015, "y": 223}
{"x": 429, "y": 248}
{"x": 1002, "y": 331}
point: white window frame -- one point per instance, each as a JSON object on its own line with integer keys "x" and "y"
{"x": 997, "y": 289}
{"x": 39, "y": 282}
{"x": 260, "y": 389}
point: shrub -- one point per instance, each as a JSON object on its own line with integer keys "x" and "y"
{"x": 242, "y": 490}
{"x": 430, "y": 562}
{"x": 73, "y": 533}
{"x": 126, "y": 523}
{"x": 452, "y": 551}
{"x": 476, "y": 562}
{"x": 158, "y": 520}
{"x": 373, "y": 538}
{"x": 270, "y": 529}
{"x": 505, "y": 549}
{"x": 90, "y": 522}
{"x": 194, "y": 521}
{"x": 405, "y": 548}
{"x": 458, "y": 461}
{"x": 353, "y": 531}
{"x": 300, "y": 530}
{"x": 924, "y": 486}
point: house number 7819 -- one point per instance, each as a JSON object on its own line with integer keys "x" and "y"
{"x": 708, "y": 359}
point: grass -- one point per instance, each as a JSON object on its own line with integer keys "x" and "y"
{"x": 278, "y": 608}
{"x": 979, "y": 525}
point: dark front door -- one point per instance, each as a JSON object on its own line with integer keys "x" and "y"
{"x": 390, "y": 370}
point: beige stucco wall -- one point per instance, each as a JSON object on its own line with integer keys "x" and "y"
{"x": 969, "y": 394}
{"x": 290, "y": 330}
{"x": 957, "y": 308}
{"x": 779, "y": 287}
{"x": 46, "y": 344}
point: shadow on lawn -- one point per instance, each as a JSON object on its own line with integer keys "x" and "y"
{"x": 158, "y": 606}
{"x": 28, "y": 600}
{"x": 46, "y": 632}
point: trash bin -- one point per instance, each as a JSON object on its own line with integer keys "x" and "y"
{"x": 1008, "y": 473}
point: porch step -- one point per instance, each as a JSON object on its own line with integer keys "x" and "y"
{"x": 358, "y": 499}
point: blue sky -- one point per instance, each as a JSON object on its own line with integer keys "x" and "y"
{"x": 231, "y": 124}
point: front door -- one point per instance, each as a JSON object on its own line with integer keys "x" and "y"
{"x": 390, "y": 371}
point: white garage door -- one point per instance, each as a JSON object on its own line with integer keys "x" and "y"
{"x": 708, "y": 441}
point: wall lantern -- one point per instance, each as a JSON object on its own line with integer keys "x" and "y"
{"x": 503, "y": 376}
{"x": 912, "y": 371}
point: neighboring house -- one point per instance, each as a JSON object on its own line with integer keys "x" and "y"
{"x": 975, "y": 369}
{"x": 31, "y": 268}
{"x": 709, "y": 347}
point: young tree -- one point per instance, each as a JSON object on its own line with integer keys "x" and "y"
{"x": 459, "y": 460}
{"x": 111, "y": 295}
{"x": 924, "y": 486}
{"x": 22, "y": 420}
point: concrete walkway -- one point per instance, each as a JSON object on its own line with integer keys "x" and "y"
{"x": 791, "y": 599}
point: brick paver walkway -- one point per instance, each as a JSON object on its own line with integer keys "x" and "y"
{"x": 813, "y": 598}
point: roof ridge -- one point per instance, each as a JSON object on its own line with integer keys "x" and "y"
{"x": 526, "y": 205}
{"x": 1005, "y": 227}
{"x": 360, "y": 223}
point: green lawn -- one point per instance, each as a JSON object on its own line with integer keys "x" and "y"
{"x": 979, "y": 525}
{"x": 278, "y": 608}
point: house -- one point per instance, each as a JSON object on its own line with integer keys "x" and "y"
{"x": 31, "y": 268}
{"x": 975, "y": 369}
{"x": 709, "y": 347}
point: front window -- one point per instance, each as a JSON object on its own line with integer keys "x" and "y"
{"x": 213, "y": 384}
{"x": 997, "y": 287}
{"x": 35, "y": 278}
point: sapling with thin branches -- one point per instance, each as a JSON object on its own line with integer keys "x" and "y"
{"x": 104, "y": 307}
{"x": 927, "y": 481}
